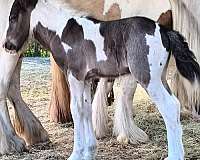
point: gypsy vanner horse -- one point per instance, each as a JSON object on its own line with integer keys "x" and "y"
{"x": 85, "y": 48}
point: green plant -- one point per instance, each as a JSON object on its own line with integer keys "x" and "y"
{"x": 36, "y": 50}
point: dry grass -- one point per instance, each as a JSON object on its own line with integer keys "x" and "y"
{"x": 35, "y": 89}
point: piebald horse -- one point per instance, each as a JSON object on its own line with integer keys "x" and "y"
{"x": 85, "y": 48}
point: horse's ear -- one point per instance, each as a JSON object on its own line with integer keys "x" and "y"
{"x": 72, "y": 33}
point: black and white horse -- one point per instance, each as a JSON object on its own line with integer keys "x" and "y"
{"x": 85, "y": 48}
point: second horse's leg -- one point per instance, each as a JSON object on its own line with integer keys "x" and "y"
{"x": 9, "y": 141}
{"x": 25, "y": 123}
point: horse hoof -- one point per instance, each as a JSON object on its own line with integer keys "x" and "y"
{"x": 29, "y": 128}
{"x": 75, "y": 156}
{"x": 122, "y": 139}
{"x": 12, "y": 144}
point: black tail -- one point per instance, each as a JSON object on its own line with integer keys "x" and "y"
{"x": 184, "y": 57}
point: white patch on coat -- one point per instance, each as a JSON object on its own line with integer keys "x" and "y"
{"x": 91, "y": 32}
{"x": 47, "y": 14}
{"x": 158, "y": 55}
{"x": 66, "y": 47}
{"x": 5, "y": 7}
{"x": 53, "y": 15}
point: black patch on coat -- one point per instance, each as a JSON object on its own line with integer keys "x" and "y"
{"x": 72, "y": 33}
{"x": 165, "y": 37}
{"x": 43, "y": 35}
{"x": 125, "y": 40}
{"x": 52, "y": 42}
{"x": 81, "y": 59}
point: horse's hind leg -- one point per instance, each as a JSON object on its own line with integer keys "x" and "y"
{"x": 148, "y": 68}
{"x": 25, "y": 123}
{"x": 169, "y": 107}
{"x": 9, "y": 141}
{"x": 124, "y": 126}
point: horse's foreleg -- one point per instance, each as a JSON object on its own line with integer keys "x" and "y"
{"x": 25, "y": 123}
{"x": 124, "y": 126}
{"x": 76, "y": 105}
{"x": 99, "y": 112}
{"x": 90, "y": 140}
{"x": 84, "y": 138}
{"x": 9, "y": 141}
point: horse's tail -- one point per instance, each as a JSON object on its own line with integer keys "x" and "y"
{"x": 185, "y": 59}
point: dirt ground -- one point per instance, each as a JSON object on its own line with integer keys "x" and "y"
{"x": 35, "y": 83}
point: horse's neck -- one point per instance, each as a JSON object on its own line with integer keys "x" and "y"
{"x": 52, "y": 15}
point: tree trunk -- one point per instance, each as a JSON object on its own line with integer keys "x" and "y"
{"x": 59, "y": 108}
